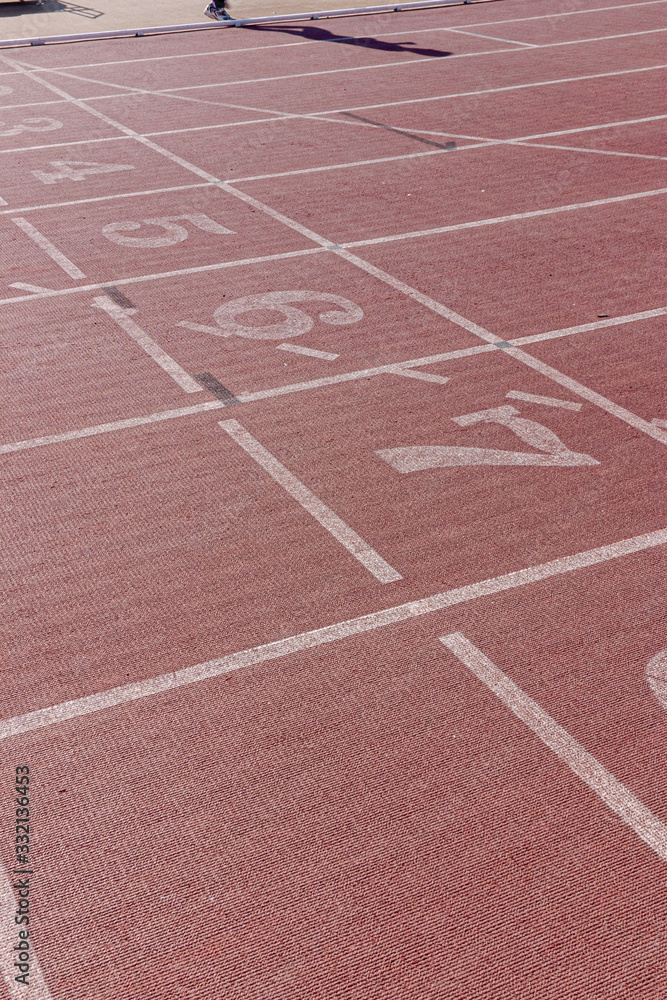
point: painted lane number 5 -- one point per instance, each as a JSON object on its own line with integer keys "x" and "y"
{"x": 171, "y": 235}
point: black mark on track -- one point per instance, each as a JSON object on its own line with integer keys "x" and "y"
{"x": 118, "y": 297}
{"x": 217, "y": 388}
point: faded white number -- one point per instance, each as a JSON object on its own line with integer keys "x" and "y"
{"x": 293, "y": 321}
{"x": 77, "y": 170}
{"x": 32, "y": 125}
{"x": 172, "y": 234}
{"x": 6, "y": 90}
{"x": 550, "y": 448}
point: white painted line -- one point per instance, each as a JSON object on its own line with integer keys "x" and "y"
{"x": 571, "y": 13}
{"x": 105, "y": 197}
{"x": 244, "y": 397}
{"x": 369, "y": 67}
{"x": 494, "y": 38}
{"x": 110, "y": 427}
{"x": 528, "y": 397}
{"x": 517, "y": 353}
{"x": 161, "y": 275}
{"x": 25, "y": 287}
{"x": 329, "y": 633}
{"x": 517, "y": 217}
{"x": 588, "y": 128}
{"x": 588, "y": 394}
{"x": 9, "y": 939}
{"x": 310, "y": 352}
{"x": 3, "y": 202}
{"x": 415, "y": 373}
{"x": 59, "y": 145}
{"x": 341, "y": 531}
{"x": 497, "y": 90}
{"x": 386, "y": 34}
{"x": 609, "y": 789}
{"x": 56, "y": 256}
{"x": 324, "y": 168}
{"x": 586, "y": 327}
{"x": 592, "y": 150}
{"x": 123, "y": 319}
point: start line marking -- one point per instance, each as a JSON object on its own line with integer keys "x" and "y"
{"x": 90, "y": 704}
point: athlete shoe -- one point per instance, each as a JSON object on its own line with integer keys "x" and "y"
{"x": 217, "y": 13}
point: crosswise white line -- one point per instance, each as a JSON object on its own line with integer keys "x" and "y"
{"x": 103, "y": 700}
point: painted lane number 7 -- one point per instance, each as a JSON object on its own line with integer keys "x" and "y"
{"x": 550, "y": 448}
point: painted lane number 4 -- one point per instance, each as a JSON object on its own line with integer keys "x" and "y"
{"x": 77, "y": 170}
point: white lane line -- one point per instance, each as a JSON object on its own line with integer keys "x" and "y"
{"x": 494, "y": 38}
{"x": 511, "y": 139}
{"x": 9, "y": 939}
{"x": 49, "y": 249}
{"x": 23, "y": 286}
{"x": 415, "y": 373}
{"x": 369, "y": 67}
{"x": 609, "y": 789}
{"x": 329, "y": 633}
{"x": 528, "y": 397}
{"x": 599, "y": 324}
{"x": 592, "y": 150}
{"x": 494, "y": 90}
{"x": 587, "y": 128}
{"x": 309, "y": 352}
{"x": 249, "y": 397}
{"x": 386, "y": 34}
{"x": 161, "y": 275}
{"x": 517, "y": 353}
{"x": 57, "y": 145}
{"x": 336, "y": 527}
{"x": 645, "y": 426}
{"x": 244, "y": 397}
{"x": 385, "y": 104}
{"x": 517, "y": 217}
{"x": 123, "y": 319}
{"x": 356, "y": 163}
{"x": 106, "y": 197}
{"x": 110, "y": 427}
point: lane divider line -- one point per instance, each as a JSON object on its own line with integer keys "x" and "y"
{"x": 63, "y": 262}
{"x": 609, "y": 789}
{"x": 122, "y": 318}
{"x": 336, "y": 527}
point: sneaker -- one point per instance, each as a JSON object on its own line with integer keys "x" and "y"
{"x": 217, "y": 13}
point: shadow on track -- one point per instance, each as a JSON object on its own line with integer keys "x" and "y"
{"x": 322, "y": 35}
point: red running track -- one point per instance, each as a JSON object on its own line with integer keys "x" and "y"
{"x": 334, "y": 513}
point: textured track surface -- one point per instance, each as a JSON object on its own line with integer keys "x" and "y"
{"x": 321, "y": 345}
